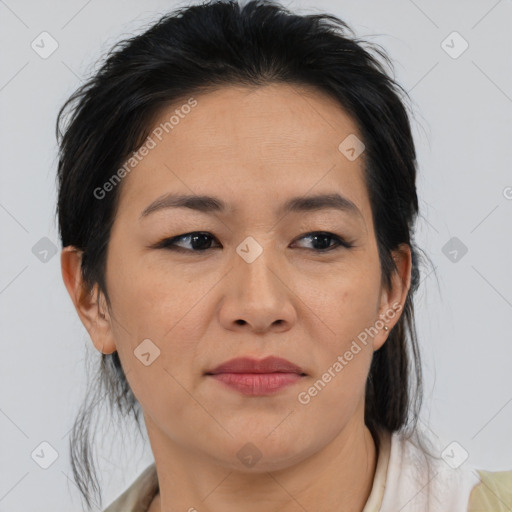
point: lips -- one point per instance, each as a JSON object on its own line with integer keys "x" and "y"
{"x": 247, "y": 365}
{"x": 253, "y": 377}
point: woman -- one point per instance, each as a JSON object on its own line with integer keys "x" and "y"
{"x": 236, "y": 206}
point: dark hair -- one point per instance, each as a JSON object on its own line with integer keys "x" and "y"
{"x": 198, "y": 49}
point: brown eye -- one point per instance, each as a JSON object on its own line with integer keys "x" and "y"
{"x": 197, "y": 241}
{"x": 323, "y": 241}
{"x": 200, "y": 241}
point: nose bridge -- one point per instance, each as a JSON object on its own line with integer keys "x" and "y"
{"x": 258, "y": 296}
{"x": 257, "y": 265}
{"x": 255, "y": 295}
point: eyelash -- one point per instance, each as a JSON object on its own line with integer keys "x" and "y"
{"x": 169, "y": 243}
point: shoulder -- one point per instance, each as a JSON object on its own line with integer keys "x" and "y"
{"x": 493, "y": 493}
{"x": 419, "y": 478}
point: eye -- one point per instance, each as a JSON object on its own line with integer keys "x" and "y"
{"x": 200, "y": 241}
{"x": 323, "y": 239}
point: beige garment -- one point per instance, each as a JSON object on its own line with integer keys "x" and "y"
{"x": 138, "y": 497}
{"x": 494, "y": 493}
{"x": 483, "y": 492}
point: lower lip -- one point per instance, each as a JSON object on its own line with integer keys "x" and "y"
{"x": 257, "y": 384}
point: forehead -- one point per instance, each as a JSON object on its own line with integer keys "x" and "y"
{"x": 251, "y": 145}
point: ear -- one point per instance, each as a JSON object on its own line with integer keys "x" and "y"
{"x": 95, "y": 318}
{"x": 393, "y": 300}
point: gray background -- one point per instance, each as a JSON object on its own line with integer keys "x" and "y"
{"x": 463, "y": 114}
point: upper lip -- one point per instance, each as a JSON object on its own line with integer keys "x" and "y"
{"x": 269, "y": 364}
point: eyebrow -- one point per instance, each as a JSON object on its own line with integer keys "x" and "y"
{"x": 209, "y": 204}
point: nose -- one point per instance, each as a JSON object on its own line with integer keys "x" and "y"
{"x": 258, "y": 296}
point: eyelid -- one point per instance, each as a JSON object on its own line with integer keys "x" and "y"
{"x": 342, "y": 242}
{"x": 169, "y": 243}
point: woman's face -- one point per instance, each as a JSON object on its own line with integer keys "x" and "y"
{"x": 257, "y": 284}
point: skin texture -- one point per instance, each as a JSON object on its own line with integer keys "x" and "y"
{"x": 254, "y": 148}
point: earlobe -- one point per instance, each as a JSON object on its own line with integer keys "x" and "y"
{"x": 96, "y": 322}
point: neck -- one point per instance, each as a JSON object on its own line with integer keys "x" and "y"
{"x": 337, "y": 477}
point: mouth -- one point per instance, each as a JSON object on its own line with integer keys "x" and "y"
{"x": 254, "y": 377}
{"x": 257, "y": 384}
{"x": 269, "y": 364}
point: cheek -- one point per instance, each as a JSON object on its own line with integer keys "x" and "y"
{"x": 346, "y": 300}
{"x": 151, "y": 299}
{"x": 157, "y": 320}
{"x": 346, "y": 303}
